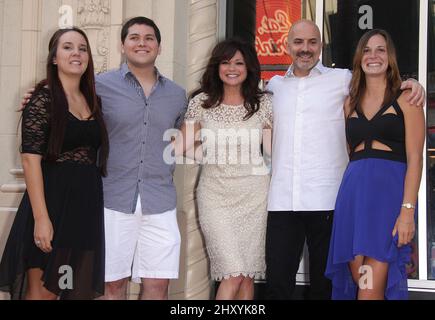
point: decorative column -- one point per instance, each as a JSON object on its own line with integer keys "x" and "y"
{"x": 30, "y": 30}
{"x": 93, "y": 16}
{"x": 29, "y": 42}
{"x": 116, "y": 17}
{"x": 27, "y": 62}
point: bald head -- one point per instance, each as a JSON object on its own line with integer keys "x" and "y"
{"x": 304, "y": 46}
{"x": 304, "y": 25}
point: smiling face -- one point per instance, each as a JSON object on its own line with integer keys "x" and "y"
{"x": 375, "y": 56}
{"x": 304, "y": 47}
{"x": 233, "y": 72}
{"x": 72, "y": 55}
{"x": 140, "y": 46}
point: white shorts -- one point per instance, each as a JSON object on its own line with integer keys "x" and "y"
{"x": 141, "y": 246}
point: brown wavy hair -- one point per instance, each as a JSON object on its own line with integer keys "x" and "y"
{"x": 212, "y": 85}
{"x": 58, "y": 108}
{"x": 358, "y": 82}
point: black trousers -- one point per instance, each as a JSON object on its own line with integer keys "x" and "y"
{"x": 285, "y": 238}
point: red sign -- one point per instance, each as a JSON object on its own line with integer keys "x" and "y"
{"x": 274, "y": 19}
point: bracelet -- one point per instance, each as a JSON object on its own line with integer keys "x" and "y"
{"x": 408, "y": 205}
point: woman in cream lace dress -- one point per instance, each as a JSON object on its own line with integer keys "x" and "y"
{"x": 233, "y": 118}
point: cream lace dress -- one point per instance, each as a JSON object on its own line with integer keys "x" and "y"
{"x": 233, "y": 186}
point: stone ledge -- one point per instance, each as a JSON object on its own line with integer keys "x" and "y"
{"x": 13, "y": 188}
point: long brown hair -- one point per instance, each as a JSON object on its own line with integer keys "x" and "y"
{"x": 358, "y": 82}
{"x": 212, "y": 85}
{"x": 58, "y": 108}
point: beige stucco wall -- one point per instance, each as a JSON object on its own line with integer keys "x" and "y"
{"x": 10, "y": 72}
{"x": 189, "y": 30}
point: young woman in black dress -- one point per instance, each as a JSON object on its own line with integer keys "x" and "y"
{"x": 56, "y": 245}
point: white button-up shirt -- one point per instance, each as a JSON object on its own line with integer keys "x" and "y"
{"x": 309, "y": 153}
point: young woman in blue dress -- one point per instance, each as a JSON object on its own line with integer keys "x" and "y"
{"x": 376, "y": 204}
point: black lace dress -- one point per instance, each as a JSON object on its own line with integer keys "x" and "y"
{"x": 74, "y": 269}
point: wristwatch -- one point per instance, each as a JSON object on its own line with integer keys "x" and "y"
{"x": 408, "y": 205}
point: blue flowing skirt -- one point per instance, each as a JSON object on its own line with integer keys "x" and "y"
{"x": 368, "y": 204}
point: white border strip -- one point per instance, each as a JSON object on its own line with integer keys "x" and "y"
{"x": 413, "y": 285}
{"x": 319, "y": 16}
{"x": 421, "y": 285}
{"x": 222, "y": 19}
{"x": 422, "y": 213}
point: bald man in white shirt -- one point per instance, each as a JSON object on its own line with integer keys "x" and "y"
{"x": 309, "y": 156}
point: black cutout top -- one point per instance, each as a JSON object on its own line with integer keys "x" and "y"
{"x": 386, "y": 128}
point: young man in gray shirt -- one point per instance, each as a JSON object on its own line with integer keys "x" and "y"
{"x": 139, "y": 105}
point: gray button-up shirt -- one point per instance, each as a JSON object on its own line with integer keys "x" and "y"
{"x": 136, "y": 124}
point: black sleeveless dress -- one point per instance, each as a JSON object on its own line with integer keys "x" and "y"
{"x": 74, "y": 269}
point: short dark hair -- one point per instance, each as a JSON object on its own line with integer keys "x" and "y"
{"x": 140, "y": 20}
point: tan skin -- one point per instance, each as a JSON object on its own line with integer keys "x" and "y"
{"x": 71, "y": 59}
{"x": 374, "y": 64}
{"x": 232, "y": 74}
